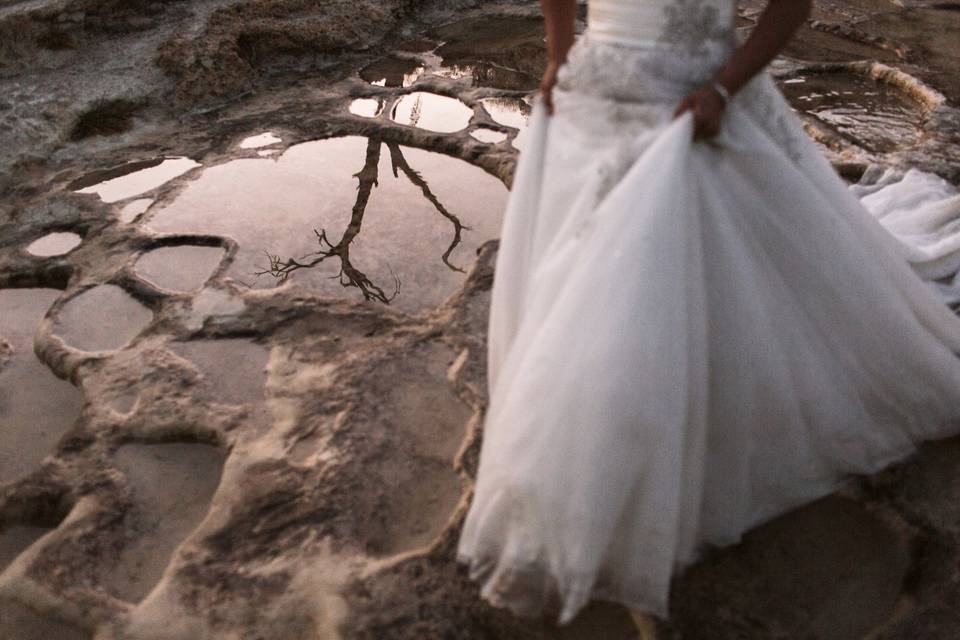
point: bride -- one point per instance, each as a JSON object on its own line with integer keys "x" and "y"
{"x": 695, "y": 325}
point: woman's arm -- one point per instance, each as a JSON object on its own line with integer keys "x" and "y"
{"x": 776, "y": 27}
{"x": 558, "y": 17}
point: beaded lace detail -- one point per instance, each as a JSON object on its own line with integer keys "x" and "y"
{"x": 611, "y": 88}
{"x": 693, "y": 24}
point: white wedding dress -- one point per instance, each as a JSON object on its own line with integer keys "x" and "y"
{"x": 687, "y": 339}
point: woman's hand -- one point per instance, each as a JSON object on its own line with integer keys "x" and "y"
{"x": 558, "y": 17}
{"x": 547, "y": 82}
{"x": 707, "y": 106}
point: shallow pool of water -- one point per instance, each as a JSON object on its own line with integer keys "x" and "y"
{"x": 54, "y": 244}
{"x": 871, "y": 114}
{"x": 179, "y": 268}
{"x": 431, "y": 112}
{"x": 496, "y": 51}
{"x": 384, "y": 214}
{"x": 366, "y": 107}
{"x": 134, "y": 208}
{"x": 36, "y": 407}
{"x": 261, "y": 140}
{"x": 488, "y": 135}
{"x": 133, "y": 179}
{"x": 390, "y": 71}
{"x": 103, "y": 318}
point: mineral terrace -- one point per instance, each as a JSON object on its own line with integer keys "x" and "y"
{"x": 246, "y": 251}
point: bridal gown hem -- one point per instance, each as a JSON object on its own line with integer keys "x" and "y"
{"x": 687, "y": 339}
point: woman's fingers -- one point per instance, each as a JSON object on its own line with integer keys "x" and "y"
{"x": 546, "y": 86}
{"x": 547, "y": 96}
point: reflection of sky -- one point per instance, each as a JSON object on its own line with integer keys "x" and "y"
{"x": 511, "y": 112}
{"x": 488, "y": 135}
{"x": 262, "y": 140}
{"x": 54, "y": 244}
{"x": 873, "y": 115}
{"x": 432, "y": 112}
{"x": 141, "y": 181}
{"x": 274, "y": 205}
{"x": 134, "y": 208}
{"x": 37, "y": 407}
{"x": 366, "y": 107}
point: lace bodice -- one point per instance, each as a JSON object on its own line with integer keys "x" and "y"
{"x": 683, "y": 23}
{"x": 638, "y": 58}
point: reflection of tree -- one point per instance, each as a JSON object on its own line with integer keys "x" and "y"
{"x": 349, "y": 275}
{"x": 399, "y": 162}
{"x": 415, "y": 111}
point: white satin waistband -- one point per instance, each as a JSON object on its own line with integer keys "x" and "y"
{"x": 646, "y": 23}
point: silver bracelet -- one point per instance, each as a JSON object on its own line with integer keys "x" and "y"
{"x": 722, "y": 90}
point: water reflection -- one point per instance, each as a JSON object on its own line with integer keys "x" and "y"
{"x": 431, "y": 112}
{"x": 262, "y": 140}
{"x": 349, "y": 275}
{"x": 399, "y": 214}
{"x": 870, "y": 114}
{"x": 511, "y": 112}
{"x": 366, "y": 107}
{"x": 498, "y": 52}
{"x": 132, "y": 179}
{"x": 134, "y": 208}
{"x": 179, "y": 268}
{"x": 54, "y": 244}
{"x": 36, "y": 407}
{"x": 392, "y": 72}
{"x": 103, "y": 318}
{"x": 488, "y": 135}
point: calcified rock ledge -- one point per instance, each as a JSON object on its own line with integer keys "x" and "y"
{"x": 311, "y": 484}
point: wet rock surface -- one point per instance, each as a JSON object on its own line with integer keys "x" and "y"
{"x": 250, "y": 429}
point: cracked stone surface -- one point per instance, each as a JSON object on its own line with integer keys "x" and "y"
{"x": 200, "y": 451}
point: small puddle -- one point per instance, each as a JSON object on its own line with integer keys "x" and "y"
{"x": 870, "y": 114}
{"x": 510, "y": 112}
{"x": 385, "y": 213}
{"x": 179, "y": 268}
{"x": 134, "y": 208}
{"x": 392, "y": 72}
{"x": 103, "y": 318}
{"x": 497, "y": 52}
{"x": 431, "y": 112}
{"x": 133, "y": 178}
{"x": 488, "y": 135}
{"x": 36, "y": 407}
{"x": 54, "y": 244}
{"x": 366, "y": 107}
{"x": 172, "y": 485}
{"x": 262, "y": 140}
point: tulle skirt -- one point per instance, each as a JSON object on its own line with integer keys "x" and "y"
{"x": 687, "y": 339}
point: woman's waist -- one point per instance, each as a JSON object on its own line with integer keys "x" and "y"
{"x": 676, "y": 24}
{"x": 641, "y": 69}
